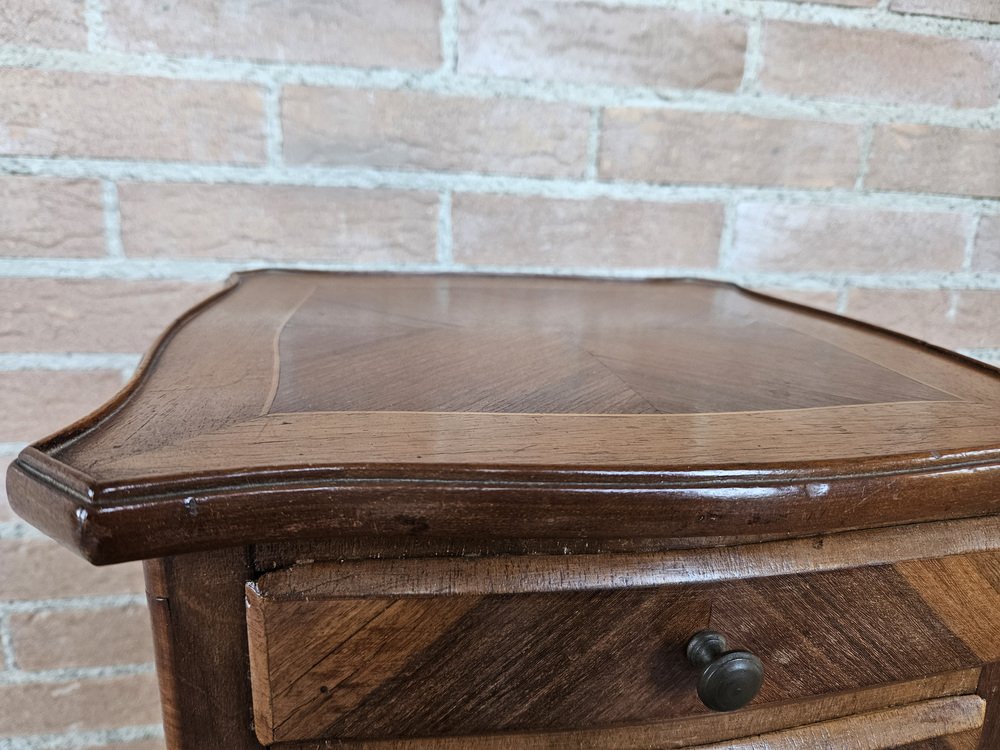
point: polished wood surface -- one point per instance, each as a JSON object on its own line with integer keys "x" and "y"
{"x": 448, "y": 512}
{"x": 599, "y": 414}
{"x": 200, "y": 638}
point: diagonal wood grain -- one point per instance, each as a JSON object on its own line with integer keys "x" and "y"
{"x": 882, "y": 730}
{"x": 577, "y": 411}
{"x": 945, "y": 584}
{"x": 575, "y": 659}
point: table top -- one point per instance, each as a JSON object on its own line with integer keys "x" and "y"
{"x": 303, "y": 404}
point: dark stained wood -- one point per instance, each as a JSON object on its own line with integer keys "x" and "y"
{"x": 455, "y": 574}
{"x": 465, "y": 665}
{"x": 882, "y": 730}
{"x": 308, "y": 405}
{"x": 725, "y": 557}
{"x": 474, "y": 513}
{"x": 199, "y": 625}
{"x": 439, "y": 647}
{"x": 697, "y": 731}
{"x": 989, "y": 689}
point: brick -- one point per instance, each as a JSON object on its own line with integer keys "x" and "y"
{"x": 819, "y": 299}
{"x": 53, "y": 639}
{"x": 769, "y": 237}
{"x": 593, "y": 43}
{"x": 529, "y": 231}
{"x": 46, "y": 113}
{"x": 90, "y": 315}
{"x": 977, "y": 319}
{"x": 986, "y": 252}
{"x": 6, "y": 514}
{"x": 665, "y": 146}
{"x": 842, "y": 3}
{"x": 972, "y": 321}
{"x": 871, "y": 65}
{"x": 37, "y": 403}
{"x": 41, "y": 569}
{"x": 79, "y": 705}
{"x": 279, "y": 223}
{"x": 927, "y": 158}
{"x": 414, "y": 130}
{"x": 43, "y": 23}
{"x": 973, "y": 10}
{"x": 55, "y": 218}
{"x": 922, "y": 313}
{"x": 366, "y": 33}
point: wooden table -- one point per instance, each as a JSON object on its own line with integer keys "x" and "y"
{"x": 472, "y": 512}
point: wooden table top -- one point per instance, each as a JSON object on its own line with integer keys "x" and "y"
{"x": 298, "y": 404}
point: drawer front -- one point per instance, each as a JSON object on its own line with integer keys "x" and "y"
{"x": 943, "y": 724}
{"x": 465, "y": 664}
{"x": 328, "y": 662}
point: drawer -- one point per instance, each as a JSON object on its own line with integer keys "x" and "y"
{"x": 954, "y": 723}
{"x": 943, "y": 724}
{"x": 450, "y": 648}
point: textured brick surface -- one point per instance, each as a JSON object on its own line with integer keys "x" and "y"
{"x": 972, "y": 320}
{"x": 52, "y": 639}
{"x": 925, "y": 158}
{"x": 366, "y": 33}
{"x": 53, "y": 218}
{"x": 770, "y": 237}
{"x": 45, "y": 113}
{"x": 90, "y": 315}
{"x": 411, "y": 130}
{"x": 41, "y": 569}
{"x": 976, "y": 10}
{"x": 916, "y": 312}
{"x": 674, "y": 146}
{"x": 869, "y": 65}
{"x": 977, "y": 319}
{"x": 562, "y": 134}
{"x": 844, "y": 3}
{"x": 6, "y": 514}
{"x": 278, "y": 223}
{"x": 593, "y": 43}
{"x": 986, "y": 252}
{"x": 79, "y": 705}
{"x": 43, "y": 23}
{"x": 512, "y": 231}
{"x": 36, "y": 403}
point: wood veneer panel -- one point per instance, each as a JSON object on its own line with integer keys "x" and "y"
{"x": 945, "y": 584}
{"x": 304, "y": 405}
{"x": 683, "y": 733}
{"x": 608, "y": 364}
{"x": 461, "y": 665}
{"x": 882, "y": 730}
{"x": 619, "y": 441}
{"x": 465, "y": 656}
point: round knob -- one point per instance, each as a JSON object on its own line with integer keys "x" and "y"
{"x": 729, "y": 679}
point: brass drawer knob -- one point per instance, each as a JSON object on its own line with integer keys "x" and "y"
{"x": 729, "y": 679}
